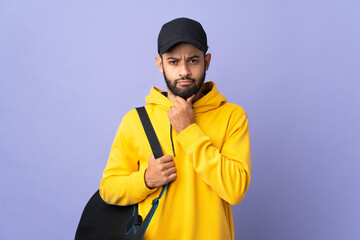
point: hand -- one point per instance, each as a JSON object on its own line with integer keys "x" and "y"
{"x": 160, "y": 171}
{"x": 181, "y": 115}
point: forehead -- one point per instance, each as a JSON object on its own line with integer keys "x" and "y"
{"x": 183, "y": 49}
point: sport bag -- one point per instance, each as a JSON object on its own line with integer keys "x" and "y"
{"x": 102, "y": 221}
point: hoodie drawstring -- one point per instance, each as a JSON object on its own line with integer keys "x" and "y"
{"x": 171, "y": 138}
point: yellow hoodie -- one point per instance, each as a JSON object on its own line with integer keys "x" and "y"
{"x": 213, "y": 162}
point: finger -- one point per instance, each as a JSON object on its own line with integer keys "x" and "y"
{"x": 165, "y": 159}
{"x": 151, "y": 157}
{"x": 180, "y": 100}
{"x": 171, "y": 171}
{"x": 173, "y": 108}
{"x": 176, "y": 99}
{"x": 168, "y": 165}
{"x": 189, "y": 99}
{"x": 172, "y": 177}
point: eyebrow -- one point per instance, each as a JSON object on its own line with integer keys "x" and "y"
{"x": 173, "y": 58}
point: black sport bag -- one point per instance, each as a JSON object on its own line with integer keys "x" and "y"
{"x": 101, "y": 221}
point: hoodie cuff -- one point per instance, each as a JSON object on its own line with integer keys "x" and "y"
{"x": 138, "y": 178}
{"x": 190, "y": 137}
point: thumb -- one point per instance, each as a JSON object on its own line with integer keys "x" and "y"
{"x": 189, "y": 99}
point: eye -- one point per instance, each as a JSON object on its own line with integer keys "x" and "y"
{"x": 193, "y": 61}
{"x": 172, "y": 62}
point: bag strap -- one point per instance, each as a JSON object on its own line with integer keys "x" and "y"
{"x": 153, "y": 140}
{"x": 150, "y": 132}
{"x": 156, "y": 149}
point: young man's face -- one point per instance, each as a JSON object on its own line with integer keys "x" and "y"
{"x": 184, "y": 68}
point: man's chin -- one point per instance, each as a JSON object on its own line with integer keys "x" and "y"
{"x": 184, "y": 95}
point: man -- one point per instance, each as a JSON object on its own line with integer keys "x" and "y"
{"x": 205, "y": 141}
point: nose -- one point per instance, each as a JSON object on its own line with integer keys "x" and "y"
{"x": 184, "y": 70}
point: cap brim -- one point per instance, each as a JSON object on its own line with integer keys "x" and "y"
{"x": 169, "y": 45}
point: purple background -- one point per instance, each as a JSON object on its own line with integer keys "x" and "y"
{"x": 70, "y": 70}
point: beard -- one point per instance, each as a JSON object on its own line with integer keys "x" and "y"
{"x": 185, "y": 92}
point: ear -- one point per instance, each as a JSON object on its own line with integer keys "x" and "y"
{"x": 158, "y": 61}
{"x": 207, "y": 61}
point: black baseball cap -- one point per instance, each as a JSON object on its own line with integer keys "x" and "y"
{"x": 181, "y": 30}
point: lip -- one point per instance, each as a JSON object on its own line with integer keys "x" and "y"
{"x": 184, "y": 82}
